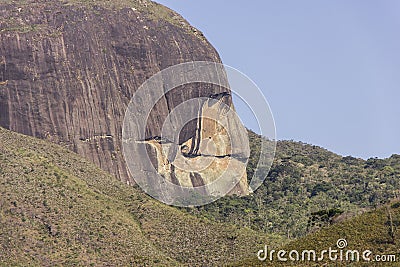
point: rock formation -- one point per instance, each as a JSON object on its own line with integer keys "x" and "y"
{"x": 68, "y": 70}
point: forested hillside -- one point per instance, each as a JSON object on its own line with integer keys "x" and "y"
{"x": 377, "y": 231}
{"x": 308, "y": 187}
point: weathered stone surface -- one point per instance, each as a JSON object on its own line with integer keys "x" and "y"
{"x": 212, "y": 153}
{"x": 68, "y": 70}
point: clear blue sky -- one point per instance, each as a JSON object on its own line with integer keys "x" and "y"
{"x": 329, "y": 69}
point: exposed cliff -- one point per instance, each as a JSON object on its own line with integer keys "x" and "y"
{"x": 69, "y": 68}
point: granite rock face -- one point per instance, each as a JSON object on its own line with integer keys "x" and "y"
{"x": 68, "y": 70}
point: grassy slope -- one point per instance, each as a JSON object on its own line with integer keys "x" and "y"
{"x": 58, "y": 209}
{"x": 370, "y": 230}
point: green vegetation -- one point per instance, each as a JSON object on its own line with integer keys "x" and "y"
{"x": 377, "y": 230}
{"x": 58, "y": 209}
{"x": 307, "y": 188}
{"x": 21, "y": 28}
{"x": 149, "y": 10}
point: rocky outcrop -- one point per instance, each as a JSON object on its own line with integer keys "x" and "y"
{"x": 206, "y": 157}
{"x": 68, "y": 70}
